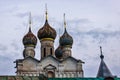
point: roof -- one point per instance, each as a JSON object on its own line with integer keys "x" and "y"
{"x": 20, "y": 60}
{"x": 50, "y": 56}
{"x": 103, "y": 69}
{"x": 70, "y": 57}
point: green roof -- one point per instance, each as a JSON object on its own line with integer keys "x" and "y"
{"x": 79, "y": 78}
{"x": 44, "y": 78}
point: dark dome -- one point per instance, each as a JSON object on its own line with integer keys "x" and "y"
{"x": 59, "y": 52}
{"x": 66, "y": 39}
{"x": 30, "y": 39}
{"x": 46, "y": 32}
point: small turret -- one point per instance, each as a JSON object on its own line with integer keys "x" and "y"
{"x": 103, "y": 69}
{"x": 29, "y": 41}
{"x": 66, "y": 42}
{"x": 66, "y": 39}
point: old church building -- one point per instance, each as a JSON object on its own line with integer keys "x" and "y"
{"x": 57, "y": 63}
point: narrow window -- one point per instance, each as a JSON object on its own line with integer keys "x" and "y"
{"x": 44, "y": 52}
{"x": 51, "y": 51}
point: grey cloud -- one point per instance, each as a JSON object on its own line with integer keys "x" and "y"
{"x": 22, "y": 15}
{"x": 72, "y": 24}
{"x": 15, "y": 45}
{"x": 7, "y": 67}
{"x": 38, "y": 18}
{"x": 97, "y": 34}
{"x": 5, "y": 58}
{"x": 9, "y": 9}
{"x": 83, "y": 20}
{"x": 3, "y": 47}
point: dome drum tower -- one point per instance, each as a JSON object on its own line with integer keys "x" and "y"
{"x": 66, "y": 42}
{"x": 29, "y": 41}
{"x": 47, "y": 47}
{"x": 46, "y": 35}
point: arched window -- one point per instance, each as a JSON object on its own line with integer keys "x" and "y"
{"x": 51, "y": 74}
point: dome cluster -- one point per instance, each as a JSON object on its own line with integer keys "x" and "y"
{"x": 48, "y": 33}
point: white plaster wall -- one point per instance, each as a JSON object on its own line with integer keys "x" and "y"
{"x": 47, "y": 61}
{"x": 70, "y": 65}
{"x": 29, "y": 64}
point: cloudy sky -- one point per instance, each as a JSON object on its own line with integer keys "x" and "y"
{"x": 91, "y": 23}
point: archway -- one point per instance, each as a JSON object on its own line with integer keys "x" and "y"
{"x": 51, "y": 74}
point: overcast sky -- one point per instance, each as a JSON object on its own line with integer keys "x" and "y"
{"x": 91, "y": 23}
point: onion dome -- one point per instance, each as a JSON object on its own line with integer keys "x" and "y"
{"x": 30, "y": 39}
{"x": 59, "y": 52}
{"x": 46, "y": 31}
{"x": 66, "y": 39}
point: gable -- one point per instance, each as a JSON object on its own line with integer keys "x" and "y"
{"x": 49, "y": 60}
{"x": 70, "y": 63}
{"x": 70, "y": 59}
{"x": 29, "y": 64}
{"x": 50, "y": 66}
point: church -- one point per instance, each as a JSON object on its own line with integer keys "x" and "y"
{"x": 55, "y": 63}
